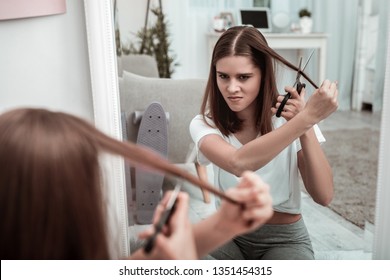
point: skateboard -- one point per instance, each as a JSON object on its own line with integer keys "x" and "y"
{"x": 153, "y": 133}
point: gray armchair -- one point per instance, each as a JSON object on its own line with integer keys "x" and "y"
{"x": 140, "y": 64}
{"x": 182, "y": 99}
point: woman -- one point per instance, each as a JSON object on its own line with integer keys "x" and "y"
{"x": 237, "y": 130}
{"x": 51, "y": 197}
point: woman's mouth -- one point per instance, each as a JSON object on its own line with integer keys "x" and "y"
{"x": 234, "y": 98}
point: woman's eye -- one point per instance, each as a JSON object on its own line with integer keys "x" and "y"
{"x": 244, "y": 78}
{"x": 222, "y": 76}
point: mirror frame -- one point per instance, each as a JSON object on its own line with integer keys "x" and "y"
{"x": 105, "y": 92}
{"x": 106, "y": 108}
{"x": 381, "y": 246}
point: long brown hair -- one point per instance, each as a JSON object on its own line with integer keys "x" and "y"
{"x": 249, "y": 42}
{"x": 51, "y": 201}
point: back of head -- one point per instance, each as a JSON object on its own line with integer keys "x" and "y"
{"x": 51, "y": 204}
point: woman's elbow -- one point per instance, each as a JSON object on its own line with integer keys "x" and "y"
{"x": 237, "y": 166}
{"x": 324, "y": 199}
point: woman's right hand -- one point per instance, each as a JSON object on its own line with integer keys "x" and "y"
{"x": 176, "y": 241}
{"x": 322, "y": 103}
{"x": 294, "y": 104}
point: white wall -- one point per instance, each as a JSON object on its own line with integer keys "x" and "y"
{"x": 44, "y": 62}
{"x": 131, "y": 18}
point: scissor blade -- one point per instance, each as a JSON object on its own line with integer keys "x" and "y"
{"x": 298, "y": 73}
{"x": 173, "y": 197}
{"x": 300, "y": 63}
{"x": 307, "y": 61}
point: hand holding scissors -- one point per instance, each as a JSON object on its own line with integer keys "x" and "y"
{"x": 299, "y": 85}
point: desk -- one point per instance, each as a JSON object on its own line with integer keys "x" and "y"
{"x": 288, "y": 41}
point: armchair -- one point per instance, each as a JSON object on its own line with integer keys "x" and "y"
{"x": 182, "y": 99}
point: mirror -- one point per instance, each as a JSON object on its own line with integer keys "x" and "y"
{"x": 98, "y": 19}
{"x": 107, "y": 115}
{"x": 381, "y": 249}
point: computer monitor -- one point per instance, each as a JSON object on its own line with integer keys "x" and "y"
{"x": 259, "y": 18}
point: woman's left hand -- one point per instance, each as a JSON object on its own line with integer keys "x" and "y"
{"x": 293, "y": 105}
{"x": 176, "y": 241}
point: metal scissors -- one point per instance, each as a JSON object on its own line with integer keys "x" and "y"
{"x": 297, "y": 83}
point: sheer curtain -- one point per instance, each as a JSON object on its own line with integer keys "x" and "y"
{"x": 340, "y": 20}
{"x": 189, "y": 23}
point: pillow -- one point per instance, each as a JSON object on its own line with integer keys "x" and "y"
{"x": 182, "y": 98}
{"x": 140, "y": 64}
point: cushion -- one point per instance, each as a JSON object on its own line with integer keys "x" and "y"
{"x": 182, "y": 98}
{"x": 140, "y": 64}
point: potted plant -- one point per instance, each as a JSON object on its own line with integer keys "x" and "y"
{"x": 305, "y": 20}
{"x": 154, "y": 41}
{"x": 304, "y": 13}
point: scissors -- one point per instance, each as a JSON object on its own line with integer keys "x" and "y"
{"x": 297, "y": 83}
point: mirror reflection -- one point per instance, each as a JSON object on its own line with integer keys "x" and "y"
{"x": 353, "y": 54}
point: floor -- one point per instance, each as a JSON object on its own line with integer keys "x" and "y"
{"x": 333, "y": 237}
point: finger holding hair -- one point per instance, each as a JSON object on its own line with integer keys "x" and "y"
{"x": 256, "y": 204}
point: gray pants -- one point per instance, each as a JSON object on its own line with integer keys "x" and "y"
{"x": 269, "y": 242}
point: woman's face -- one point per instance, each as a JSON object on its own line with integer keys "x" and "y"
{"x": 238, "y": 80}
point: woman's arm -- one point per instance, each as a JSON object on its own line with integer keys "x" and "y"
{"x": 258, "y": 152}
{"x": 314, "y": 167}
{"x": 315, "y": 170}
{"x": 201, "y": 170}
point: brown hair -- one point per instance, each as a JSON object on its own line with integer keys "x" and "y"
{"x": 244, "y": 41}
{"x": 51, "y": 201}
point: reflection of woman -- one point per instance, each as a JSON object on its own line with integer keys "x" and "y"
{"x": 52, "y": 204}
{"x": 237, "y": 131}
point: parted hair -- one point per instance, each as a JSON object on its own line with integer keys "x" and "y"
{"x": 51, "y": 193}
{"x": 249, "y": 42}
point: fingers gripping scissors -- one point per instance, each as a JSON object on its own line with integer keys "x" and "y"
{"x": 297, "y": 83}
{"x": 164, "y": 219}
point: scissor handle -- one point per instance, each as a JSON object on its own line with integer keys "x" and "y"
{"x": 280, "y": 109}
{"x": 300, "y": 86}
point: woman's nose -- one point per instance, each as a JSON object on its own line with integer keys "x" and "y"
{"x": 233, "y": 86}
